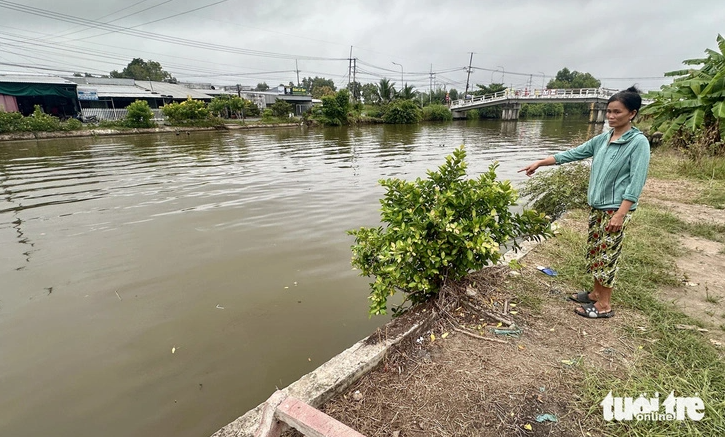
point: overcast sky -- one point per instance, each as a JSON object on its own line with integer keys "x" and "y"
{"x": 621, "y": 42}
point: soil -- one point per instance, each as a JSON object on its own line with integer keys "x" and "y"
{"x": 462, "y": 378}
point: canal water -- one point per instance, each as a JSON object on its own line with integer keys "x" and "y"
{"x": 162, "y": 285}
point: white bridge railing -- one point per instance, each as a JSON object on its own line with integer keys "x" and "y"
{"x": 535, "y": 94}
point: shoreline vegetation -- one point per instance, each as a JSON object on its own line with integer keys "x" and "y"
{"x": 548, "y": 372}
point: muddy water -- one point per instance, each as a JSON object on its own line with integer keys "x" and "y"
{"x": 163, "y": 285}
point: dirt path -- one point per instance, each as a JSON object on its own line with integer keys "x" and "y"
{"x": 702, "y": 267}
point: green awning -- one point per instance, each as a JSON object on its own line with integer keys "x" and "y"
{"x": 20, "y": 89}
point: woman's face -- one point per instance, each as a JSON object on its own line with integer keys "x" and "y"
{"x": 618, "y": 115}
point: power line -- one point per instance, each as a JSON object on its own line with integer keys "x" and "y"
{"x": 156, "y": 36}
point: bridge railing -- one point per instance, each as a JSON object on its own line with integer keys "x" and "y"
{"x": 535, "y": 94}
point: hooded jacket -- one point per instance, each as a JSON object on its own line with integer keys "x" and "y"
{"x": 619, "y": 168}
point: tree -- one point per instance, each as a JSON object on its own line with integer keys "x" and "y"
{"x": 335, "y": 108}
{"x": 407, "y": 93}
{"x": 385, "y": 91}
{"x": 318, "y": 82}
{"x": 355, "y": 90}
{"x": 321, "y": 91}
{"x": 225, "y": 106}
{"x": 262, "y": 86}
{"x": 488, "y": 89}
{"x": 573, "y": 79}
{"x": 694, "y": 101}
{"x": 369, "y": 93}
{"x": 141, "y": 70}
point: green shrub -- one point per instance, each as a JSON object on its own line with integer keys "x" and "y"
{"x": 402, "y": 112}
{"x": 39, "y": 121}
{"x": 555, "y": 191}
{"x": 182, "y": 113}
{"x": 281, "y": 109}
{"x": 437, "y": 113}
{"x": 336, "y": 108}
{"x": 139, "y": 115}
{"x": 11, "y": 122}
{"x": 72, "y": 124}
{"x": 267, "y": 115}
{"x": 437, "y": 229}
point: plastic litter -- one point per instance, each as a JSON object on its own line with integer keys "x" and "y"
{"x": 546, "y": 418}
{"x": 547, "y": 270}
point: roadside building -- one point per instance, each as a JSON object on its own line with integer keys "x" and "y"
{"x": 107, "y": 98}
{"x": 55, "y": 95}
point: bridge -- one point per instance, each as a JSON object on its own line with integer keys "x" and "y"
{"x": 512, "y": 99}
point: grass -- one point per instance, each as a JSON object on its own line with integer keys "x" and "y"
{"x": 671, "y": 359}
{"x": 709, "y": 298}
{"x": 708, "y": 174}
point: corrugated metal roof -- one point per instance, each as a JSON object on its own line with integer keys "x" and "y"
{"x": 27, "y": 78}
{"x": 174, "y": 90}
{"x": 104, "y": 91}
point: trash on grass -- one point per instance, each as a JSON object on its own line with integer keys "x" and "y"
{"x": 546, "y": 418}
{"x": 547, "y": 270}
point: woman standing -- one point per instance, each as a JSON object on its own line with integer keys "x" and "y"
{"x": 618, "y": 173}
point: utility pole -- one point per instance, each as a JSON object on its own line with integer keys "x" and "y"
{"x": 468, "y": 76}
{"x": 354, "y": 81}
{"x": 430, "y": 93}
{"x": 349, "y": 66}
{"x": 297, "y": 70}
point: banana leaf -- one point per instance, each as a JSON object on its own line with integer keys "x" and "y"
{"x": 674, "y": 126}
{"x": 694, "y": 121}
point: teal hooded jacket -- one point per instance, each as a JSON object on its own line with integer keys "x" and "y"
{"x": 619, "y": 168}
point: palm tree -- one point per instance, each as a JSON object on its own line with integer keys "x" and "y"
{"x": 407, "y": 93}
{"x": 386, "y": 91}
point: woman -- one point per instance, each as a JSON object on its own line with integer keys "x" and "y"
{"x": 618, "y": 173}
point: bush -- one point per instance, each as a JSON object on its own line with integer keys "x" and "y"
{"x": 11, "y": 122}
{"x": 437, "y": 229}
{"x": 335, "y": 108}
{"x": 72, "y": 124}
{"x": 437, "y": 113}
{"x": 402, "y": 112}
{"x": 139, "y": 115}
{"x": 181, "y": 113}
{"x": 41, "y": 122}
{"x": 281, "y": 109}
{"x": 555, "y": 191}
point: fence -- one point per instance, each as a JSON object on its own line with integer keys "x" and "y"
{"x": 114, "y": 114}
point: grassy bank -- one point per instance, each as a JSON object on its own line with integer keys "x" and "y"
{"x": 672, "y": 359}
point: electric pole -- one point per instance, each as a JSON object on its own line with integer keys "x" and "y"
{"x": 430, "y": 93}
{"x": 468, "y": 76}
{"x": 297, "y": 69}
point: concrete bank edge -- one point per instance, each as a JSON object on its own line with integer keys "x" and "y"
{"x": 20, "y": 136}
{"x": 342, "y": 370}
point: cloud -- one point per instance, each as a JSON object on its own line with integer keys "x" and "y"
{"x": 634, "y": 41}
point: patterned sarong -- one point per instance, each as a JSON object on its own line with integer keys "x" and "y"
{"x": 604, "y": 247}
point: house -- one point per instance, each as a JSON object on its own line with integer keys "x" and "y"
{"x": 107, "y": 98}
{"x": 54, "y": 95}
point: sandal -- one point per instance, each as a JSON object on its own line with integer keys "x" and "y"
{"x": 591, "y": 312}
{"x": 582, "y": 297}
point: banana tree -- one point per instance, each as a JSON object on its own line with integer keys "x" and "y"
{"x": 695, "y": 98}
